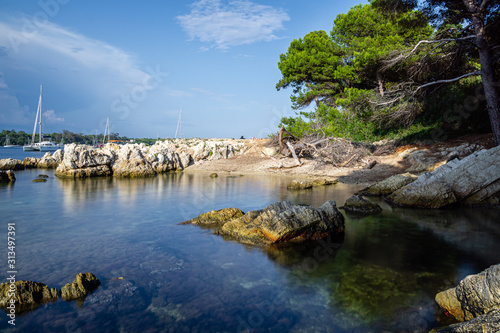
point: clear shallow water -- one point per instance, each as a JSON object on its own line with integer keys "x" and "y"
{"x": 178, "y": 278}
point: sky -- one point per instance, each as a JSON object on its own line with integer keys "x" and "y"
{"x": 142, "y": 62}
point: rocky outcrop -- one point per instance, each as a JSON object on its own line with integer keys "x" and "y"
{"x": 83, "y": 284}
{"x": 472, "y": 180}
{"x": 30, "y": 162}
{"x": 27, "y": 294}
{"x": 280, "y": 222}
{"x": 136, "y": 160}
{"x": 489, "y": 322}
{"x": 83, "y": 161}
{"x": 49, "y": 161}
{"x": 7, "y": 176}
{"x": 389, "y": 185}
{"x": 284, "y": 222}
{"x": 360, "y": 206}
{"x": 11, "y": 164}
{"x": 477, "y": 296}
{"x": 216, "y": 217}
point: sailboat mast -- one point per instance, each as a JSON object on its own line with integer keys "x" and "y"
{"x": 40, "y": 111}
{"x": 179, "y": 125}
{"x": 106, "y": 130}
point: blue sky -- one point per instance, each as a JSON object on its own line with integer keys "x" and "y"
{"x": 141, "y": 62}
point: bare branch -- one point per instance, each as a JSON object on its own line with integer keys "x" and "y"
{"x": 426, "y": 41}
{"x": 446, "y": 81}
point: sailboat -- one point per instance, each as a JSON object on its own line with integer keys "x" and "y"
{"x": 40, "y": 145}
{"x": 7, "y": 143}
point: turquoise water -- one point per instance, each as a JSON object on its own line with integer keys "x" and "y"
{"x": 382, "y": 276}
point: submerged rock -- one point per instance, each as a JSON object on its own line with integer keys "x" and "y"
{"x": 39, "y": 180}
{"x": 476, "y": 296}
{"x": 388, "y": 185}
{"x": 299, "y": 185}
{"x": 324, "y": 182}
{"x": 285, "y": 222}
{"x": 359, "y": 205}
{"x": 11, "y": 164}
{"x": 27, "y": 294}
{"x": 216, "y": 217}
{"x": 213, "y": 175}
{"x": 83, "y": 284}
{"x": 7, "y": 176}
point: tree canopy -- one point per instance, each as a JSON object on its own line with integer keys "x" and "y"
{"x": 384, "y": 67}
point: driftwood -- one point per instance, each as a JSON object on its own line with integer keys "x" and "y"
{"x": 297, "y": 161}
{"x": 338, "y": 152}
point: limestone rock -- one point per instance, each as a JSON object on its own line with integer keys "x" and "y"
{"x": 285, "y": 222}
{"x": 489, "y": 322}
{"x": 213, "y": 175}
{"x": 480, "y": 293}
{"x": 11, "y": 164}
{"x": 28, "y": 294}
{"x": 359, "y": 205}
{"x": 7, "y": 176}
{"x": 431, "y": 195}
{"x": 49, "y": 161}
{"x": 216, "y": 217}
{"x": 476, "y": 176}
{"x": 388, "y": 185}
{"x": 83, "y": 284}
{"x": 476, "y": 299}
{"x": 448, "y": 301}
{"x": 82, "y": 161}
{"x": 30, "y": 162}
{"x": 299, "y": 185}
{"x": 324, "y": 182}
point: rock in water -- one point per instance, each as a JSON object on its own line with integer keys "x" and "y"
{"x": 476, "y": 299}
{"x": 28, "y": 294}
{"x": 11, "y": 164}
{"x": 7, "y": 176}
{"x": 216, "y": 217}
{"x": 299, "y": 185}
{"x": 389, "y": 185}
{"x": 213, "y": 175}
{"x": 359, "y": 205}
{"x": 83, "y": 284}
{"x": 486, "y": 323}
{"x": 472, "y": 180}
{"x": 285, "y": 222}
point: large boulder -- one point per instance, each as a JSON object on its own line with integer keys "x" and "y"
{"x": 50, "y": 161}
{"x": 472, "y": 180}
{"x": 27, "y": 294}
{"x": 83, "y": 161}
{"x": 11, "y": 164}
{"x": 30, "y": 162}
{"x": 83, "y": 285}
{"x": 388, "y": 185}
{"x": 285, "y": 222}
{"x": 476, "y": 296}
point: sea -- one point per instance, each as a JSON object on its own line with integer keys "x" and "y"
{"x": 160, "y": 276}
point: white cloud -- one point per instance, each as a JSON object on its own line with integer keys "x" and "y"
{"x": 50, "y": 115}
{"x": 233, "y": 23}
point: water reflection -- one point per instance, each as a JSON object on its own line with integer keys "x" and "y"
{"x": 382, "y": 276}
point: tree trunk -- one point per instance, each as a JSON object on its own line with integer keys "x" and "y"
{"x": 487, "y": 69}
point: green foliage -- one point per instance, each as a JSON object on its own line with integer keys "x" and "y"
{"x": 348, "y": 77}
